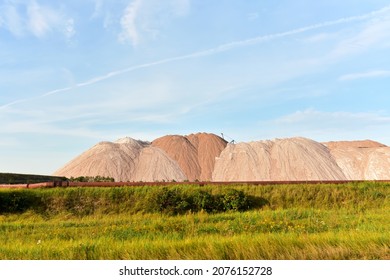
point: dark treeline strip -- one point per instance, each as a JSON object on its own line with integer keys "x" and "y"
{"x": 13, "y": 178}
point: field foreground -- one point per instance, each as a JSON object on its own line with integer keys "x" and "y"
{"x": 348, "y": 221}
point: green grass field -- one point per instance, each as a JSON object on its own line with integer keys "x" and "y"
{"x": 349, "y": 221}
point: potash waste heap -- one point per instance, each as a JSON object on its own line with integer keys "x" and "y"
{"x": 208, "y": 157}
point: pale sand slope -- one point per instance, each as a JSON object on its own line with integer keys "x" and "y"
{"x": 195, "y": 153}
{"x": 279, "y": 160}
{"x": 180, "y": 149}
{"x": 155, "y": 165}
{"x": 124, "y": 160}
{"x": 362, "y": 160}
{"x": 209, "y": 146}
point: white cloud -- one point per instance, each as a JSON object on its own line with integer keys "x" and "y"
{"x": 144, "y": 19}
{"x": 97, "y": 9}
{"x": 330, "y": 126}
{"x": 181, "y": 7}
{"x": 29, "y": 17}
{"x": 314, "y": 118}
{"x": 320, "y": 37}
{"x": 104, "y": 11}
{"x": 375, "y": 34}
{"x": 38, "y": 127}
{"x": 40, "y": 20}
{"x": 128, "y": 23}
{"x": 274, "y": 36}
{"x": 69, "y": 30}
{"x": 12, "y": 20}
{"x": 8, "y": 142}
{"x": 131, "y": 34}
{"x": 365, "y": 75}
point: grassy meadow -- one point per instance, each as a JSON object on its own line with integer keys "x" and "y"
{"x": 347, "y": 221}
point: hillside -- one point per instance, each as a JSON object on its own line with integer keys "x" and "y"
{"x": 362, "y": 160}
{"x": 277, "y": 160}
{"x": 208, "y": 157}
{"x": 124, "y": 160}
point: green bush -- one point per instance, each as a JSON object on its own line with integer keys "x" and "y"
{"x": 17, "y": 201}
{"x": 92, "y": 179}
{"x": 235, "y": 200}
{"x": 175, "y": 201}
{"x": 168, "y": 201}
{"x": 203, "y": 200}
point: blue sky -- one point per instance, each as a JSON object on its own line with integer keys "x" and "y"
{"x": 73, "y": 73}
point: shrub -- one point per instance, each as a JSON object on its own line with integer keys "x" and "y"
{"x": 168, "y": 201}
{"x": 175, "y": 201}
{"x": 92, "y": 179}
{"x": 171, "y": 200}
{"x": 235, "y": 200}
{"x": 203, "y": 200}
{"x": 17, "y": 201}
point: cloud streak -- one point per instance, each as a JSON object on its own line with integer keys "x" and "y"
{"x": 131, "y": 15}
{"x": 329, "y": 125}
{"x": 365, "y": 75}
{"x": 312, "y": 122}
{"x": 274, "y": 36}
{"x": 314, "y": 117}
{"x": 373, "y": 35}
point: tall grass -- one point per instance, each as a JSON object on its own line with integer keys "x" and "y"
{"x": 87, "y": 201}
{"x": 292, "y": 222}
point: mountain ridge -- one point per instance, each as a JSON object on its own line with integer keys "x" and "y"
{"x": 208, "y": 157}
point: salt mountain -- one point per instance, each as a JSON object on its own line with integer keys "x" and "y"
{"x": 208, "y": 157}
